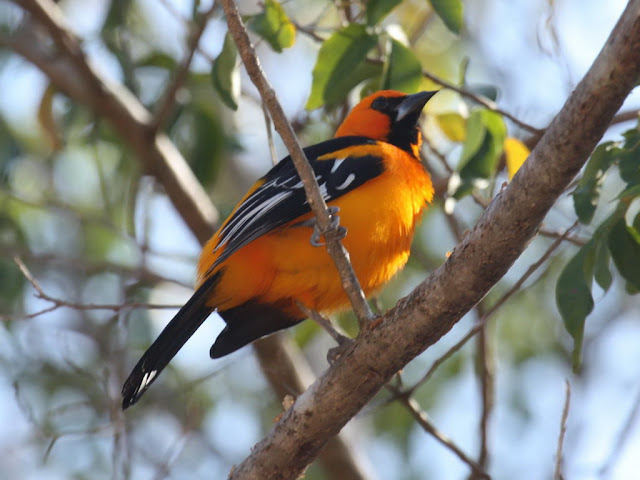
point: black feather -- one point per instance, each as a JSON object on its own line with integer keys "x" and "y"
{"x": 248, "y": 322}
{"x": 281, "y": 197}
{"x": 173, "y": 337}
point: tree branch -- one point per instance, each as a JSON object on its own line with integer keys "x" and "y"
{"x": 483, "y": 257}
{"x": 76, "y": 78}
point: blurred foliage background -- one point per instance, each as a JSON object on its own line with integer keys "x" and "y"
{"x": 95, "y": 259}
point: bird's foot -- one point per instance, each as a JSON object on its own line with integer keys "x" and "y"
{"x": 316, "y": 236}
{"x": 336, "y": 352}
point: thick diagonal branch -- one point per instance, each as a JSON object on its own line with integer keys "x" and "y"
{"x": 483, "y": 257}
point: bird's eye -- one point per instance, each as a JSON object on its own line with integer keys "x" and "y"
{"x": 379, "y": 103}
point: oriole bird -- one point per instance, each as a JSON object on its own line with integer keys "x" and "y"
{"x": 261, "y": 261}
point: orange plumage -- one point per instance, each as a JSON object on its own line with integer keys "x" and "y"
{"x": 261, "y": 261}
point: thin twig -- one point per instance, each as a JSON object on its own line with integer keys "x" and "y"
{"x": 334, "y": 332}
{"x": 165, "y": 105}
{"x": 446, "y": 356}
{"x": 557, "y": 473}
{"x": 309, "y": 31}
{"x": 486, "y": 375}
{"x": 544, "y": 232}
{"x": 270, "y": 142}
{"x": 438, "y": 154}
{"x": 163, "y": 469}
{"x": 622, "y": 438}
{"x": 59, "y": 303}
{"x": 187, "y": 24}
{"x": 626, "y": 117}
{"x": 316, "y": 201}
{"x": 423, "y": 420}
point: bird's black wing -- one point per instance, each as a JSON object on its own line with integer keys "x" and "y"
{"x": 280, "y": 196}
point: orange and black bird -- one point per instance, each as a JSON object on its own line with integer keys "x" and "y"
{"x": 264, "y": 258}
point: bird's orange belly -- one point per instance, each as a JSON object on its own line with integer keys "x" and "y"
{"x": 282, "y": 266}
{"x": 378, "y": 241}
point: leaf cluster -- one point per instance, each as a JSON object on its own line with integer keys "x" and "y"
{"x": 616, "y": 238}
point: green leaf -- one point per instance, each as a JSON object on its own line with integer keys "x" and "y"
{"x": 450, "y": 11}
{"x": 225, "y": 73}
{"x": 629, "y": 157}
{"x": 625, "y": 251}
{"x": 453, "y": 125}
{"x": 338, "y": 67}
{"x": 274, "y": 26}
{"x": 573, "y": 298}
{"x": 601, "y": 262}
{"x": 587, "y": 193}
{"x": 403, "y": 70}
{"x": 486, "y": 133}
{"x": 158, "y": 59}
{"x": 378, "y": 9}
{"x": 210, "y": 144}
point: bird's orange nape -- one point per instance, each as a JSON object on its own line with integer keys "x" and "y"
{"x": 365, "y": 121}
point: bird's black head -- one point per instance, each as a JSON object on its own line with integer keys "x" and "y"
{"x": 389, "y": 116}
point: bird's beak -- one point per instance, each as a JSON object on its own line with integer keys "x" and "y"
{"x": 413, "y": 103}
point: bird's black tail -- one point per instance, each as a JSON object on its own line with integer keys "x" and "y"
{"x": 169, "y": 342}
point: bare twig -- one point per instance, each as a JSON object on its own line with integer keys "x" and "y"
{"x": 163, "y": 470}
{"x": 165, "y": 105}
{"x": 626, "y": 117}
{"x": 187, "y": 23}
{"x": 621, "y": 439}
{"x": 545, "y": 232}
{"x": 316, "y": 201}
{"x": 439, "y": 155}
{"x": 59, "y": 303}
{"x": 270, "y": 142}
{"x": 333, "y": 332}
{"x": 310, "y": 31}
{"x": 422, "y": 418}
{"x": 486, "y": 375}
{"x": 557, "y": 472}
